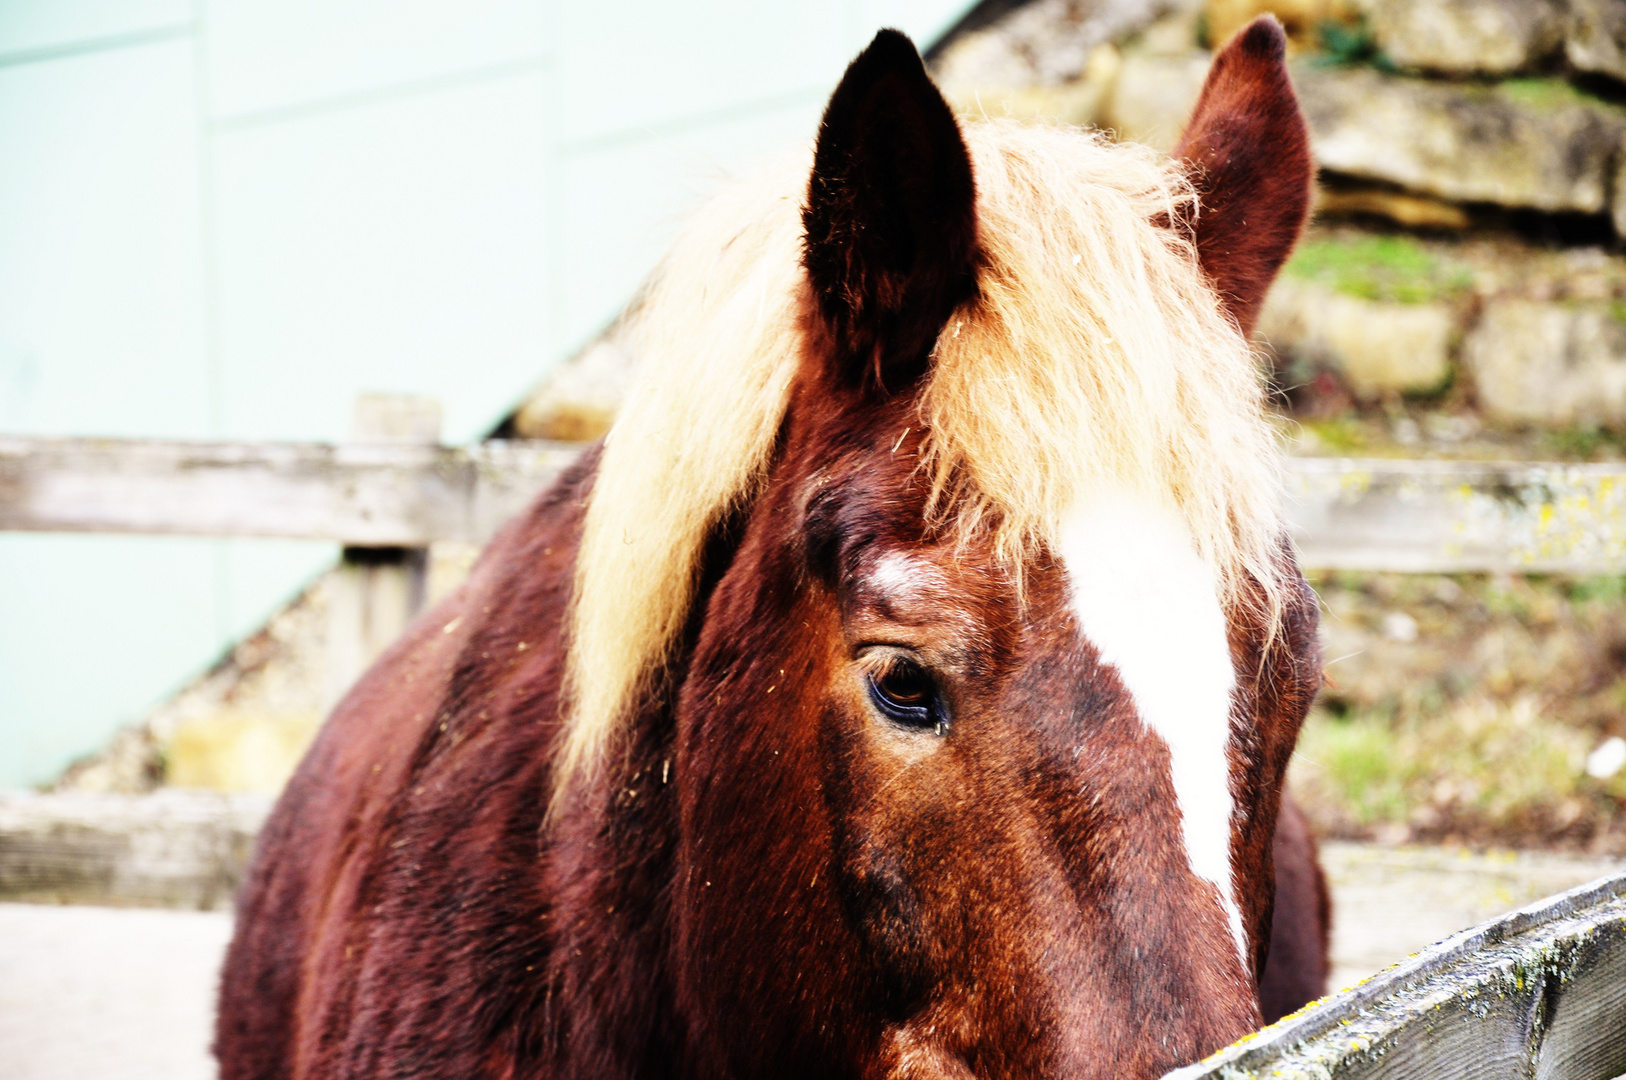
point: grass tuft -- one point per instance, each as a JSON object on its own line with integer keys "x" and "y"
{"x": 1378, "y": 267}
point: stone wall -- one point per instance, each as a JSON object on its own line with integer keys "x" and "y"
{"x": 1473, "y": 164}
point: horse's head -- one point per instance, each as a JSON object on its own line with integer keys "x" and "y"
{"x": 985, "y": 649}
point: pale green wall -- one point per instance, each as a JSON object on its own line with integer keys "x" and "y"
{"x": 225, "y": 219}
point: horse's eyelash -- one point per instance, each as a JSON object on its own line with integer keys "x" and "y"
{"x": 889, "y": 664}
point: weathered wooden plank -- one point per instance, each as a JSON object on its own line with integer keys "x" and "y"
{"x": 1376, "y": 514}
{"x": 373, "y": 495}
{"x": 168, "y": 849}
{"x": 1450, "y": 516}
{"x": 1540, "y": 993}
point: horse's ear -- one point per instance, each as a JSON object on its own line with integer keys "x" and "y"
{"x": 890, "y": 219}
{"x": 1249, "y": 151}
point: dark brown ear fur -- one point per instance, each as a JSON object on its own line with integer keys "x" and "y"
{"x": 1249, "y": 150}
{"x": 890, "y": 217}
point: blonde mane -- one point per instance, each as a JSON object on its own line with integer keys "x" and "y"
{"x": 1094, "y": 356}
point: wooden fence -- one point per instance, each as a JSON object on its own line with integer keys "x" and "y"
{"x": 1355, "y": 514}
{"x": 372, "y": 495}
{"x": 387, "y": 498}
{"x": 1536, "y": 995}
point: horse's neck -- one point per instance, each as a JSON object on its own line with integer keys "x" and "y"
{"x": 608, "y": 858}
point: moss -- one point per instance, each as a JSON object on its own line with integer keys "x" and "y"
{"x": 1547, "y": 94}
{"x": 1617, "y": 310}
{"x": 1375, "y": 267}
{"x": 1338, "y": 435}
{"x": 1344, "y": 44}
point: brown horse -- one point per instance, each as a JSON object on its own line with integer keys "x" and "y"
{"x": 904, "y": 688}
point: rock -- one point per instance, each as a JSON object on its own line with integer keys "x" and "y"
{"x": 1042, "y": 43}
{"x": 132, "y": 761}
{"x": 1487, "y": 37}
{"x": 1300, "y": 18}
{"x": 1605, "y": 761}
{"x": 1595, "y": 37}
{"x": 1412, "y": 211}
{"x": 578, "y": 400}
{"x": 1530, "y": 143}
{"x": 1079, "y": 102}
{"x": 1537, "y": 144}
{"x": 1550, "y": 363}
{"x": 1153, "y": 98}
{"x": 1377, "y": 347}
{"x": 239, "y": 751}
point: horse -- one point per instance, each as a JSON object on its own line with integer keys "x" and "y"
{"x": 903, "y": 688}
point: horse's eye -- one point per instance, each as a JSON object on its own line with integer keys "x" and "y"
{"x": 906, "y": 694}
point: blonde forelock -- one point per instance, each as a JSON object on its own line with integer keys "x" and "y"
{"x": 1094, "y": 355}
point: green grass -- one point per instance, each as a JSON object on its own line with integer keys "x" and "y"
{"x": 1356, "y": 759}
{"x": 1480, "y": 729}
{"x": 1391, "y": 268}
{"x": 1610, "y": 589}
{"x": 1578, "y": 442}
{"x": 1492, "y": 763}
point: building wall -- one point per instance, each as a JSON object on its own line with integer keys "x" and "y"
{"x": 226, "y": 218}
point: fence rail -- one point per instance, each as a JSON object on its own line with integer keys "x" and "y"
{"x": 1537, "y": 995}
{"x": 1449, "y": 516}
{"x": 1355, "y": 514}
{"x": 371, "y": 495}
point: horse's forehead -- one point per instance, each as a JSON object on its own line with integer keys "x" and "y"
{"x": 1148, "y": 604}
{"x": 917, "y": 585}
{"x": 896, "y": 575}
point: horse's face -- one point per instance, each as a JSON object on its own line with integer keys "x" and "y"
{"x": 1030, "y": 799}
{"x": 933, "y": 824}
{"x": 980, "y": 833}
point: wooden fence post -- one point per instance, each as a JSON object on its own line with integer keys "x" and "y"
{"x": 377, "y": 591}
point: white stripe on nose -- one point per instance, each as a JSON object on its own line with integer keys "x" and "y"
{"x": 1148, "y": 603}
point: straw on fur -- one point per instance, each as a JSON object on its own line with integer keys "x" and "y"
{"x": 1095, "y": 355}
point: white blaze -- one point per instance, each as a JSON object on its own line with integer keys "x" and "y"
{"x": 1149, "y": 604}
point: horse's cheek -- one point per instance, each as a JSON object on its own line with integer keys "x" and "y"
{"x": 886, "y": 828}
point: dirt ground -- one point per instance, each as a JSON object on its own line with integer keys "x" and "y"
{"x": 1468, "y": 709}
{"x": 92, "y": 993}
{"x": 1390, "y": 902}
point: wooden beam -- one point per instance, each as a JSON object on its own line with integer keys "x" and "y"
{"x": 1538, "y": 993}
{"x": 172, "y": 848}
{"x": 375, "y": 495}
{"x": 1453, "y": 516}
{"x": 1352, "y": 514}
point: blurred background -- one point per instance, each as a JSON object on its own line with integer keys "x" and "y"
{"x": 254, "y": 221}
{"x": 247, "y": 222}
{"x": 225, "y": 220}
